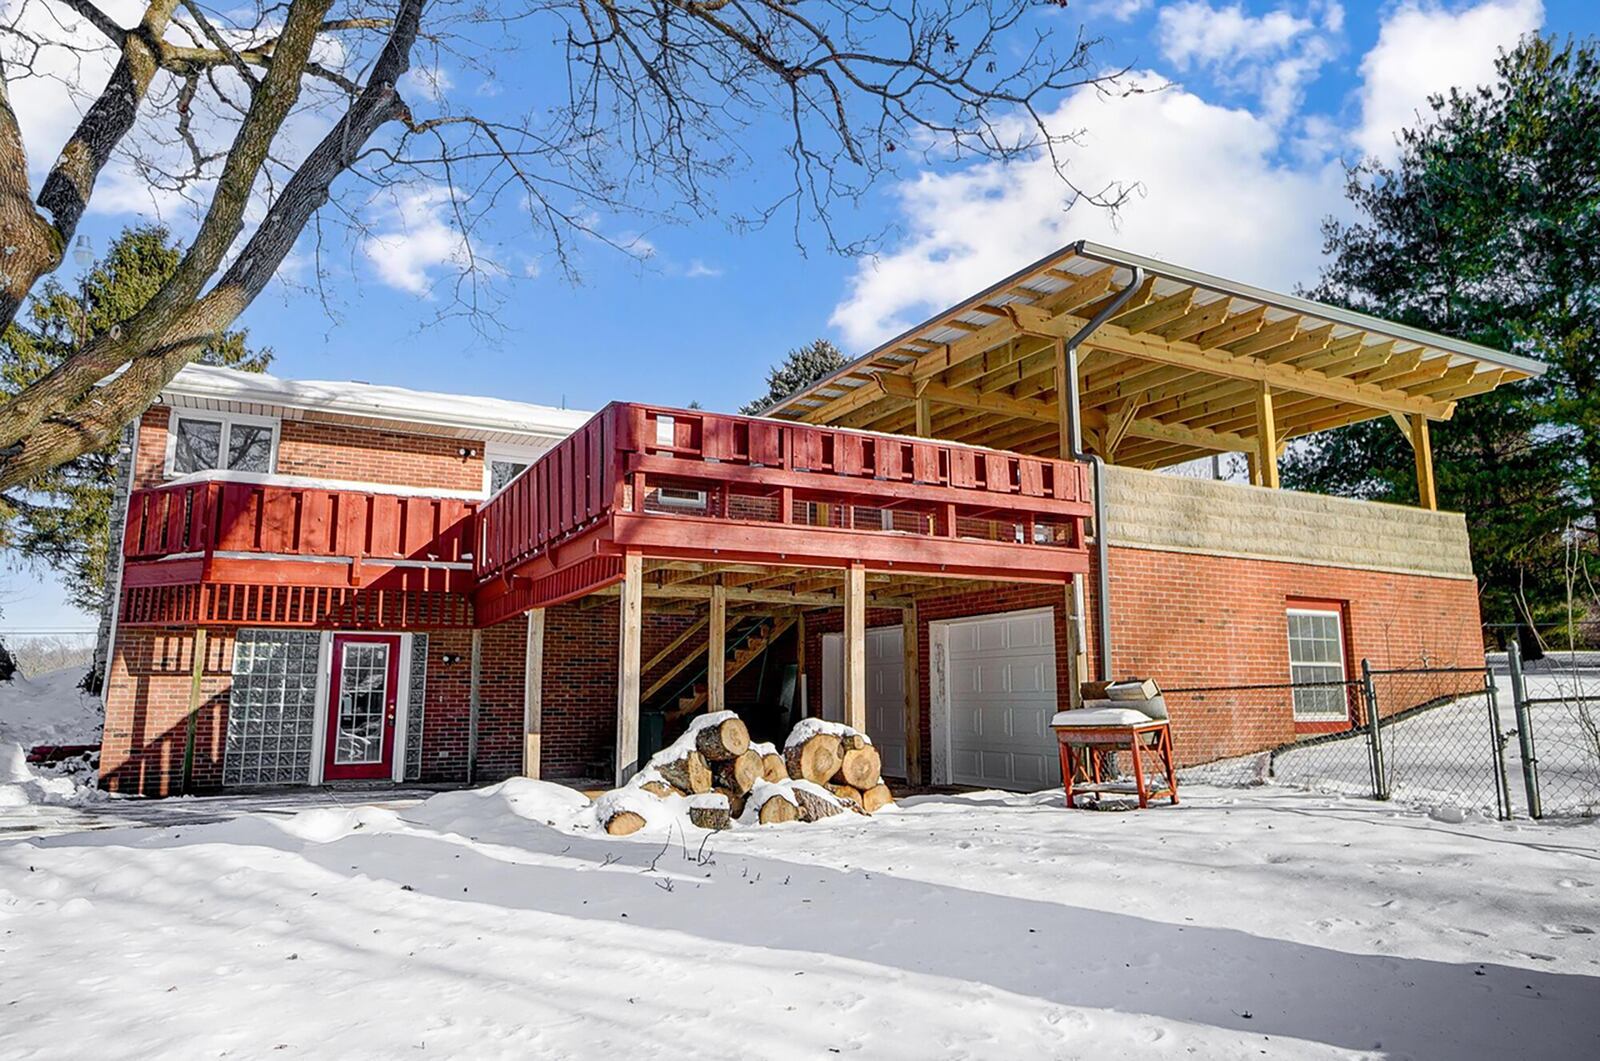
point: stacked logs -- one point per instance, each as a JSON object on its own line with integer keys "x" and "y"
{"x": 823, "y": 770}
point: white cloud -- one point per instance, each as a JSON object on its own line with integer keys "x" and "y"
{"x": 1423, "y": 48}
{"x": 1117, "y": 10}
{"x": 417, "y": 240}
{"x": 1273, "y": 56}
{"x": 1214, "y": 195}
{"x": 697, "y": 269}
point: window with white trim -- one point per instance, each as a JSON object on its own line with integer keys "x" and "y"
{"x": 501, "y": 464}
{"x": 198, "y": 442}
{"x": 1316, "y": 654}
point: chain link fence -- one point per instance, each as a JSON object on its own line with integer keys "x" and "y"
{"x": 1508, "y": 739}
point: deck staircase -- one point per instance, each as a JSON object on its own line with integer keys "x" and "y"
{"x": 743, "y": 649}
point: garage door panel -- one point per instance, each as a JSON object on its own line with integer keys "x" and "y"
{"x": 885, "y": 681}
{"x": 1001, "y": 685}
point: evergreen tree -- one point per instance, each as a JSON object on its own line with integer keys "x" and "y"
{"x": 1487, "y": 228}
{"x": 62, "y": 518}
{"x": 799, "y": 368}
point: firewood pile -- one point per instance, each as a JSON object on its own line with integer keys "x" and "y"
{"x": 716, "y": 776}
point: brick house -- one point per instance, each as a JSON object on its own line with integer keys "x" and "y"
{"x": 340, "y": 582}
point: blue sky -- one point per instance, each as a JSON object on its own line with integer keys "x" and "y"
{"x": 1235, "y": 163}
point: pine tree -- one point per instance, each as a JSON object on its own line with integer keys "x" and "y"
{"x": 799, "y": 368}
{"x": 62, "y": 519}
{"x": 1486, "y": 229}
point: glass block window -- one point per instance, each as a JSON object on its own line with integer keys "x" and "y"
{"x": 1316, "y": 654}
{"x": 272, "y": 708}
{"x": 416, "y": 695}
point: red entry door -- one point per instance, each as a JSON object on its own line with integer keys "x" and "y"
{"x": 362, "y": 695}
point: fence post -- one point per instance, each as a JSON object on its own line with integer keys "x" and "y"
{"x": 1497, "y": 747}
{"x": 1519, "y": 700}
{"x": 1380, "y": 782}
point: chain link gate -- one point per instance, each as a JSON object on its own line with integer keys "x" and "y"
{"x": 1435, "y": 737}
{"x": 1557, "y": 705}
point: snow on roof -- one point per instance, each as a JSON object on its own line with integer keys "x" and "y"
{"x": 367, "y": 399}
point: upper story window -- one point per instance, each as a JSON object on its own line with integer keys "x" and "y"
{"x": 501, "y": 464}
{"x": 1316, "y": 654}
{"x": 198, "y": 442}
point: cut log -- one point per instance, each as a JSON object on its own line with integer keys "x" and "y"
{"x": 740, "y": 773}
{"x": 660, "y": 789}
{"x": 816, "y": 759}
{"x": 624, "y": 823}
{"x": 861, "y": 767}
{"x": 736, "y": 800}
{"x": 814, "y": 808}
{"x": 876, "y": 798}
{"x": 772, "y": 768}
{"x": 709, "y": 817}
{"x": 850, "y": 742}
{"x": 723, "y": 741}
{"x": 691, "y": 774}
{"x": 777, "y": 809}
{"x": 850, "y": 795}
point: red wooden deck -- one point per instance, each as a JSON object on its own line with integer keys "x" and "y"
{"x": 665, "y": 483}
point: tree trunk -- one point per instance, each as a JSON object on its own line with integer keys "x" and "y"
{"x": 814, "y": 808}
{"x": 660, "y": 789}
{"x": 850, "y": 795}
{"x": 709, "y": 817}
{"x": 691, "y": 774}
{"x": 860, "y": 768}
{"x": 816, "y": 759}
{"x": 740, "y": 773}
{"x": 725, "y": 740}
{"x": 736, "y": 801}
{"x": 876, "y": 798}
{"x": 624, "y": 823}
{"x": 773, "y": 769}
{"x": 777, "y": 809}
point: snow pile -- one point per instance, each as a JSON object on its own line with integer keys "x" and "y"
{"x": 807, "y": 728}
{"x": 49, "y": 709}
{"x": 21, "y": 785}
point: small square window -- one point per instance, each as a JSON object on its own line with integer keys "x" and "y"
{"x": 1316, "y": 665}
{"x": 198, "y": 447}
{"x": 249, "y": 448}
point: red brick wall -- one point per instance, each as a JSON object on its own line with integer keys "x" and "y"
{"x": 335, "y": 451}
{"x": 147, "y": 704}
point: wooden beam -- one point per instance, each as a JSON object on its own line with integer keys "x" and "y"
{"x": 855, "y": 648}
{"x": 474, "y": 704}
{"x": 717, "y": 651}
{"x": 630, "y": 638}
{"x": 911, "y": 679}
{"x": 533, "y": 694}
{"x": 1422, "y": 444}
{"x": 924, "y": 417}
{"x": 1064, "y": 412}
{"x": 197, "y": 673}
{"x": 1266, "y": 439}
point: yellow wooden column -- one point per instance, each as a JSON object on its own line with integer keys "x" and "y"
{"x": 533, "y": 694}
{"x": 855, "y": 647}
{"x": 1422, "y": 444}
{"x": 911, "y": 676}
{"x": 1064, "y": 410}
{"x": 1266, "y": 455}
{"x": 717, "y": 650}
{"x": 630, "y": 636}
{"x": 924, "y": 418}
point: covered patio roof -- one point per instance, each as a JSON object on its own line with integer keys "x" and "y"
{"x": 1190, "y": 365}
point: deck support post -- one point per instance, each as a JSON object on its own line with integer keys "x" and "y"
{"x": 855, "y": 647}
{"x": 197, "y": 673}
{"x": 1077, "y": 658}
{"x": 1266, "y": 454}
{"x": 911, "y": 678}
{"x": 717, "y": 650}
{"x": 924, "y": 418}
{"x": 800, "y": 668}
{"x": 533, "y": 694}
{"x": 1422, "y": 443}
{"x": 630, "y": 627}
{"x": 474, "y": 704}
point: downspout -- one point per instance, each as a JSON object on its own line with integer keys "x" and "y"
{"x": 1067, "y": 357}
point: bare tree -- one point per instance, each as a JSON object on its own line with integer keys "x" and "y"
{"x": 251, "y": 116}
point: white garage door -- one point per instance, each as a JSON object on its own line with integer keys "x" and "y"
{"x": 1000, "y": 692}
{"x": 886, "y": 696}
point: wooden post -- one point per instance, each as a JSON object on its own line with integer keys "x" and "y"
{"x": 630, "y": 628}
{"x": 911, "y": 677}
{"x": 717, "y": 650}
{"x": 197, "y": 672}
{"x": 1077, "y": 661}
{"x": 1064, "y": 411}
{"x": 800, "y": 661}
{"x": 533, "y": 695}
{"x": 1266, "y": 439}
{"x": 855, "y": 647}
{"x": 1422, "y": 443}
{"x": 474, "y": 705}
{"x": 924, "y": 418}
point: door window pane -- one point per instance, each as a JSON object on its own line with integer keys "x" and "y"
{"x": 198, "y": 446}
{"x": 363, "y": 690}
{"x": 249, "y": 447}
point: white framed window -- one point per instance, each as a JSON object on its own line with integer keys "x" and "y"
{"x": 203, "y": 441}
{"x": 1316, "y": 654}
{"x": 501, "y": 464}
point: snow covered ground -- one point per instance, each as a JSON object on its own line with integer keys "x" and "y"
{"x": 49, "y": 709}
{"x": 501, "y": 923}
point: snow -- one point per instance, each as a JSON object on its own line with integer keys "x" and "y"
{"x": 1101, "y": 716}
{"x": 494, "y": 923}
{"x": 209, "y": 382}
{"x": 309, "y": 482}
{"x": 49, "y": 709}
{"x": 807, "y": 728}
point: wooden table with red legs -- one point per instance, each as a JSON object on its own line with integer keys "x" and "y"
{"x": 1083, "y": 743}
